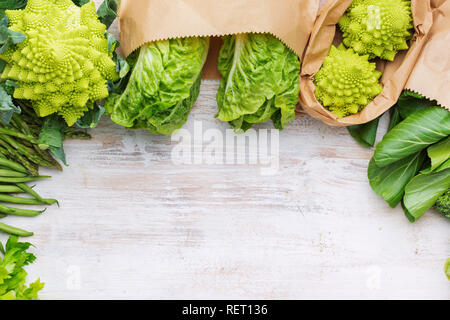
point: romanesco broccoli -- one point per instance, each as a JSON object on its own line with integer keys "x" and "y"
{"x": 347, "y": 82}
{"x": 64, "y": 64}
{"x": 443, "y": 204}
{"x": 379, "y": 28}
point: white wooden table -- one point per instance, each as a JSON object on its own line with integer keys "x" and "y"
{"x": 133, "y": 225}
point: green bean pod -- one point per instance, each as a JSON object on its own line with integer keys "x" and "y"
{"x": 20, "y": 212}
{"x": 30, "y": 191}
{"x": 11, "y": 173}
{"x": 11, "y": 189}
{"x": 12, "y": 165}
{"x": 15, "y": 231}
{"x": 24, "y": 179}
{"x": 20, "y": 200}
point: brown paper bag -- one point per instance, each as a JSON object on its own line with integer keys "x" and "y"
{"x": 431, "y": 75}
{"x": 142, "y": 21}
{"x": 395, "y": 74}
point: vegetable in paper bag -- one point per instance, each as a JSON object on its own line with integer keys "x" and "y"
{"x": 260, "y": 81}
{"x": 163, "y": 85}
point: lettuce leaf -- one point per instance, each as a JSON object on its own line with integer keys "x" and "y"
{"x": 163, "y": 85}
{"x": 260, "y": 81}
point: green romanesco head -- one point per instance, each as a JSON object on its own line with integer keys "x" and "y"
{"x": 379, "y": 28}
{"x": 443, "y": 204}
{"x": 64, "y": 63}
{"x": 347, "y": 82}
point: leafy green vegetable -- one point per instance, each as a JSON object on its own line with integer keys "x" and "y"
{"x": 423, "y": 191}
{"x": 439, "y": 153}
{"x": 260, "y": 81}
{"x": 52, "y": 136}
{"x": 8, "y": 37}
{"x": 12, "y": 4}
{"x": 163, "y": 85}
{"x": 7, "y": 106}
{"x": 365, "y": 134}
{"x": 420, "y": 130}
{"x": 410, "y": 102}
{"x": 107, "y": 12}
{"x": 13, "y": 274}
{"x": 91, "y": 118}
{"x": 80, "y": 3}
{"x": 390, "y": 181}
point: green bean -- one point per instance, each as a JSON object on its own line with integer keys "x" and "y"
{"x": 20, "y": 200}
{"x": 11, "y": 189}
{"x": 33, "y": 193}
{"x": 11, "y": 173}
{"x": 19, "y": 180}
{"x": 12, "y": 165}
{"x": 15, "y": 231}
{"x": 20, "y": 212}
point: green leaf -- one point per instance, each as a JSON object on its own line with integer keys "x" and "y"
{"x": 162, "y": 87}
{"x": 411, "y": 102}
{"x": 12, "y": 4}
{"x": 260, "y": 81}
{"x": 113, "y": 44}
{"x": 123, "y": 69}
{"x": 439, "y": 153}
{"x": 91, "y": 118}
{"x": 390, "y": 181}
{"x": 107, "y": 12}
{"x": 52, "y": 136}
{"x": 423, "y": 191}
{"x": 365, "y": 134}
{"x": 80, "y": 3}
{"x": 9, "y": 37}
{"x": 7, "y": 106}
{"x": 395, "y": 118}
{"x": 417, "y": 132}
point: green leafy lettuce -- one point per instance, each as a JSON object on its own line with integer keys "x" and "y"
{"x": 13, "y": 274}
{"x": 260, "y": 81}
{"x": 163, "y": 85}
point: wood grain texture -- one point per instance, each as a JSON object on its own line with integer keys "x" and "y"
{"x": 132, "y": 225}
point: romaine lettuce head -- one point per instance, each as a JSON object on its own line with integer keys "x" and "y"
{"x": 260, "y": 81}
{"x": 163, "y": 86}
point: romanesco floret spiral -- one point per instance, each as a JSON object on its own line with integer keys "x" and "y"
{"x": 64, "y": 64}
{"x": 379, "y": 28}
{"x": 443, "y": 204}
{"x": 346, "y": 82}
